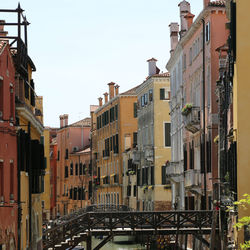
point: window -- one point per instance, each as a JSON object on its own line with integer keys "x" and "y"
{"x": 184, "y": 62}
{"x": 190, "y": 56}
{"x": 146, "y": 98}
{"x": 66, "y": 173}
{"x": 12, "y": 100}
{"x": 58, "y": 155}
{"x": 76, "y": 169}
{"x": 142, "y": 101}
{"x": 152, "y": 175}
{"x": 150, "y": 94}
{"x": 135, "y": 109}
{"x": 134, "y": 139}
{"x": 116, "y": 112}
{"x": 1, "y": 180}
{"x": 163, "y": 175}
{"x": 164, "y": 94}
{"x": 191, "y": 155}
{"x": 208, "y": 32}
{"x": 80, "y": 169}
{"x": 134, "y": 190}
{"x": 11, "y": 180}
{"x": 185, "y": 158}
{"x": 1, "y": 99}
{"x": 129, "y": 190}
{"x": 71, "y": 169}
{"x": 66, "y": 154}
{"x": 167, "y": 130}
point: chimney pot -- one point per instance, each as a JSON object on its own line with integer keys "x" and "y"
{"x": 174, "y": 30}
{"x": 66, "y": 118}
{"x": 184, "y": 10}
{"x": 111, "y": 90}
{"x": 100, "y": 101}
{"x": 61, "y": 121}
{"x": 189, "y": 17}
{"x": 152, "y": 69}
{"x": 106, "y": 97}
{"x": 2, "y": 32}
{"x": 117, "y": 90}
{"x": 206, "y": 3}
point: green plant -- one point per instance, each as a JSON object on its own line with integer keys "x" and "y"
{"x": 186, "y": 109}
{"x": 243, "y": 222}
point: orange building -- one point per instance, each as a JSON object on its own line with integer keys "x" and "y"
{"x": 70, "y": 139}
{"x": 116, "y": 126}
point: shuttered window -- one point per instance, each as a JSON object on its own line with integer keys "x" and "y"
{"x": 162, "y": 94}
{"x": 167, "y": 126}
{"x": 135, "y": 109}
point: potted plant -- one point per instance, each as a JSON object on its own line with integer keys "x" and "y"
{"x": 186, "y": 109}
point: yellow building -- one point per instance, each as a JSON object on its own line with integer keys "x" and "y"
{"x": 47, "y": 189}
{"x": 240, "y": 38}
{"x": 31, "y": 160}
{"x": 154, "y": 141}
{"x": 116, "y": 125}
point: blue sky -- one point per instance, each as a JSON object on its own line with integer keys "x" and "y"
{"x": 78, "y": 46}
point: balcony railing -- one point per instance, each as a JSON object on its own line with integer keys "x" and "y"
{"x": 174, "y": 169}
{"x": 192, "y": 119}
{"x": 192, "y": 178}
{"x": 136, "y": 157}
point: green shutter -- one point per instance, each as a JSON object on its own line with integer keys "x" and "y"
{"x": 167, "y": 134}
{"x": 162, "y": 94}
{"x": 135, "y": 109}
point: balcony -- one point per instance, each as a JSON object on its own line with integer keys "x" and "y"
{"x": 191, "y": 119}
{"x": 136, "y": 157}
{"x": 149, "y": 153}
{"x": 174, "y": 169}
{"x": 192, "y": 178}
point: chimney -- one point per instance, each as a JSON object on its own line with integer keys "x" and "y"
{"x": 117, "y": 90}
{"x": 100, "y": 101}
{"x": 152, "y": 69}
{"x": 184, "y": 10}
{"x": 106, "y": 97}
{"x": 61, "y": 121}
{"x": 205, "y": 3}
{"x": 66, "y": 118}
{"x": 111, "y": 90}
{"x": 174, "y": 30}
{"x": 2, "y": 32}
{"x": 189, "y": 17}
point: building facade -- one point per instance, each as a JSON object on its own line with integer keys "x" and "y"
{"x": 198, "y": 75}
{"x": 116, "y": 126}
{"x": 8, "y": 149}
{"x": 154, "y": 142}
{"x": 70, "y": 139}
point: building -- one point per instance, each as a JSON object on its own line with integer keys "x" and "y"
{"x": 79, "y": 183}
{"x": 46, "y": 196}
{"x": 154, "y": 141}
{"x": 129, "y": 183}
{"x": 93, "y": 149}
{"x": 116, "y": 126}
{"x": 8, "y": 148}
{"x": 175, "y": 169}
{"x": 70, "y": 139}
{"x": 197, "y": 76}
{"x": 53, "y": 172}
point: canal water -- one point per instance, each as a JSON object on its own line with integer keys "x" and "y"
{"x": 113, "y": 246}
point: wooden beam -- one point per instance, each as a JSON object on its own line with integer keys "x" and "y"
{"x": 101, "y": 244}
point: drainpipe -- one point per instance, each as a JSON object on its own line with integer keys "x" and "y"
{"x": 204, "y": 110}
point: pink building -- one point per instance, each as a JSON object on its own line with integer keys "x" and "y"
{"x": 70, "y": 139}
{"x": 201, "y": 68}
{"x": 8, "y": 149}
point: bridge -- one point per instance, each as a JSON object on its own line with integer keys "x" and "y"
{"x": 82, "y": 225}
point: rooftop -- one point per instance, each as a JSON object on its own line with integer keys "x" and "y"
{"x": 86, "y": 122}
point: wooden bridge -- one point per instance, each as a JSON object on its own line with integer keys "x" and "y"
{"x": 83, "y": 225}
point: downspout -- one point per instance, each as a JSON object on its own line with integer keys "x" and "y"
{"x": 204, "y": 111}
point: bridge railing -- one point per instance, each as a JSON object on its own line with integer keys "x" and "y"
{"x": 136, "y": 221}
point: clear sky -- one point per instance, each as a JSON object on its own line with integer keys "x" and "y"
{"x": 78, "y": 46}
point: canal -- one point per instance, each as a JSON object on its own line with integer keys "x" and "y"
{"x": 113, "y": 246}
